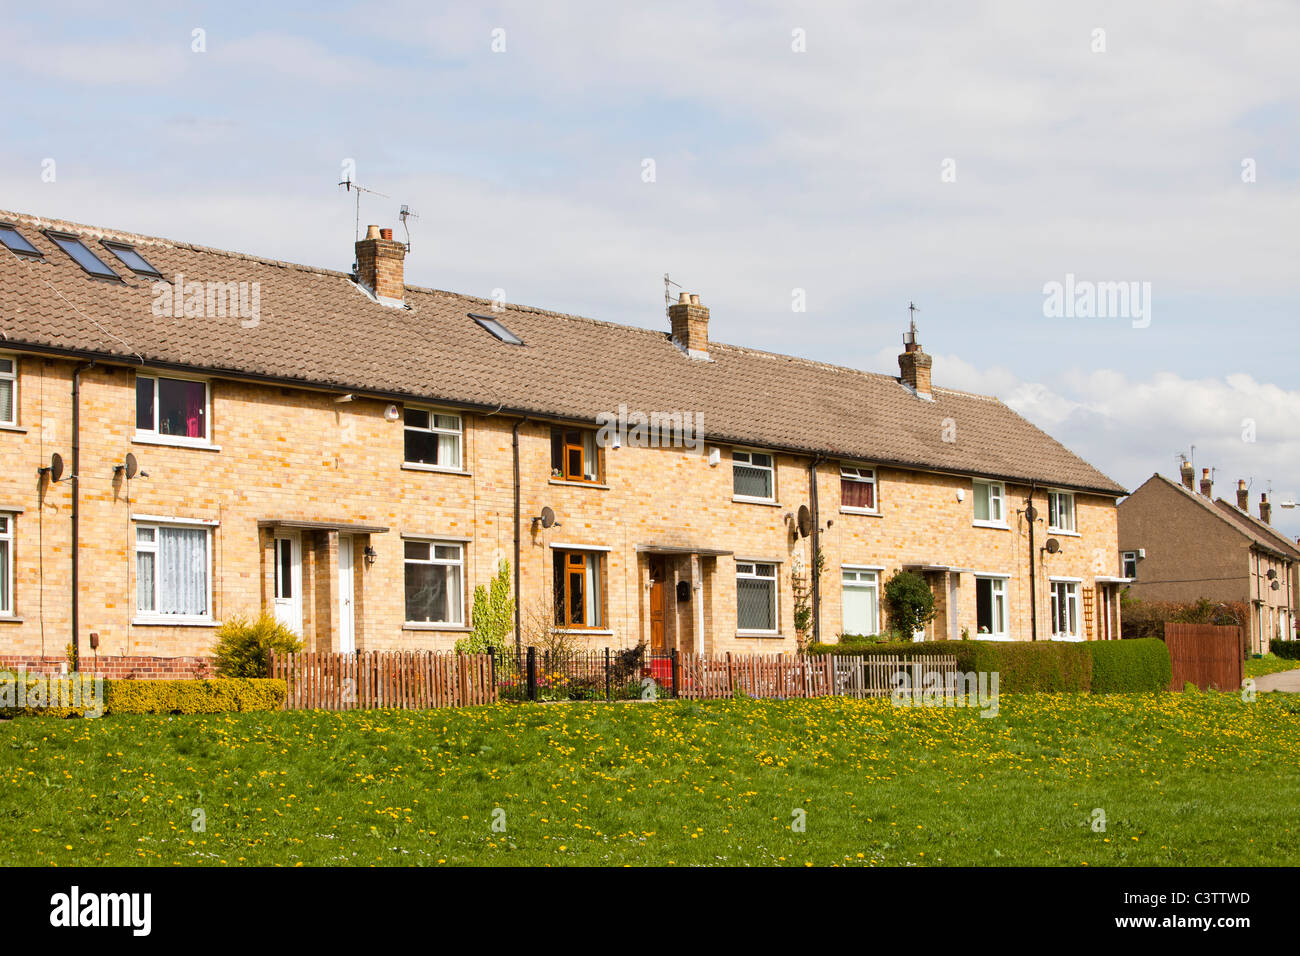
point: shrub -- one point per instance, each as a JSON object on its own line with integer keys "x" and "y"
{"x": 1022, "y": 666}
{"x": 1125, "y": 667}
{"x": 1148, "y": 618}
{"x": 244, "y": 647}
{"x": 910, "y": 603}
{"x": 193, "y": 696}
{"x": 1288, "y": 650}
{"x": 492, "y": 615}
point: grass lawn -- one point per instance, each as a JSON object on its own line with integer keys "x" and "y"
{"x": 1182, "y": 779}
{"x": 1268, "y": 664}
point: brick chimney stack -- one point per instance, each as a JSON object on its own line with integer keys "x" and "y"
{"x": 1265, "y": 509}
{"x": 380, "y": 264}
{"x": 690, "y": 322}
{"x": 1207, "y": 483}
{"x": 1243, "y": 495}
{"x": 1188, "y": 474}
{"x": 914, "y": 366}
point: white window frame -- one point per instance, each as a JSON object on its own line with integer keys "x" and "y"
{"x": 752, "y": 575}
{"x": 7, "y": 545}
{"x": 152, "y": 436}
{"x": 864, "y": 474}
{"x": 433, "y": 429}
{"x": 11, "y": 377}
{"x": 1125, "y": 557}
{"x": 1070, "y": 590}
{"x": 747, "y": 461}
{"x": 998, "y": 594}
{"x": 433, "y": 559}
{"x": 865, "y": 579}
{"x": 154, "y": 616}
{"x": 1055, "y": 513}
{"x": 996, "y": 492}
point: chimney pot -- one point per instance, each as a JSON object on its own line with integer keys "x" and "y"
{"x": 1265, "y": 509}
{"x": 690, "y": 322}
{"x": 1207, "y": 484}
{"x": 386, "y": 234}
{"x": 372, "y": 232}
{"x": 1188, "y": 474}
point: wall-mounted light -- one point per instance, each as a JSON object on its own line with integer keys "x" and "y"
{"x": 371, "y": 555}
{"x": 715, "y": 456}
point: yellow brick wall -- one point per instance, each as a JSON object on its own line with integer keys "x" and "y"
{"x": 298, "y": 454}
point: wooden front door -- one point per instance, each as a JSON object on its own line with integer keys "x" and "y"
{"x": 658, "y": 642}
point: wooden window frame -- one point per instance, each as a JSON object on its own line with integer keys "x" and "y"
{"x": 575, "y": 563}
{"x": 567, "y": 446}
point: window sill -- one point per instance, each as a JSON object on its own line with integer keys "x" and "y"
{"x": 578, "y": 484}
{"x": 9, "y": 619}
{"x": 1068, "y": 534}
{"x": 742, "y": 500}
{"x": 13, "y": 428}
{"x": 992, "y": 637}
{"x": 860, "y": 511}
{"x": 766, "y": 635}
{"x": 428, "y": 626}
{"x": 416, "y": 466}
{"x": 996, "y": 525}
{"x": 1067, "y": 639}
{"x": 140, "y": 439}
{"x": 177, "y": 621}
{"x": 583, "y": 631}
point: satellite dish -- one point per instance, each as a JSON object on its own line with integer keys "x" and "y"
{"x": 805, "y": 521}
{"x": 548, "y": 516}
{"x": 1031, "y": 513}
{"x": 1275, "y": 586}
{"x": 1272, "y": 573}
{"x": 56, "y": 466}
{"x": 132, "y": 466}
{"x": 1052, "y": 546}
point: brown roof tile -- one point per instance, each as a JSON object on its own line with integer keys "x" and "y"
{"x": 318, "y": 328}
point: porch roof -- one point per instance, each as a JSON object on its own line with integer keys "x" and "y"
{"x": 681, "y": 549}
{"x": 299, "y": 524}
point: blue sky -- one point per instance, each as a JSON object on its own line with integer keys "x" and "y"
{"x": 775, "y": 170}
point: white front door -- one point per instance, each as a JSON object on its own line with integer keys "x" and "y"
{"x": 347, "y": 623}
{"x": 288, "y": 581}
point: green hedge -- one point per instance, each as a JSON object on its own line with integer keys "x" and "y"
{"x": 1126, "y": 667}
{"x": 1102, "y": 667}
{"x": 1288, "y": 650}
{"x": 220, "y": 695}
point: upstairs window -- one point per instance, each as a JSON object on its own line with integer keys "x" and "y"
{"x": 753, "y": 476}
{"x": 8, "y": 390}
{"x": 857, "y": 488}
{"x": 132, "y": 259}
{"x": 82, "y": 256}
{"x": 574, "y": 455}
{"x": 171, "y": 408}
{"x": 988, "y": 504}
{"x": 13, "y": 240}
{"x": 579, "y": 594}
{"x": 1060, "y": 512}
{"x": 433, "y": 439}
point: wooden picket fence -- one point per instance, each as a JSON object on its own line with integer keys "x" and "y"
{"x": 779, "y": 676}
{"x": 411, "y": 680}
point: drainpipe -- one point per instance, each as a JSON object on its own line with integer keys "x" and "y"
{"x": 1033, "y": 556}
{"x": 816, "y": 549}
{"x": 514, "y": 448}
{"x": 76, "y": 501}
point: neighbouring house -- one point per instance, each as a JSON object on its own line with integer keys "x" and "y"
{"x": 1181, "y": 544}
{"x": 355, "y": 454}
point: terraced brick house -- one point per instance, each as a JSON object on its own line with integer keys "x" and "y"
{"x": 1183, "y": 545}
{"x": 355, "y": 454}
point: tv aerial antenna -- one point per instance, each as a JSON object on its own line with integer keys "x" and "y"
{"x": 359, "y": 189}
{"x": 668, "y": 292}
{"x": 406, "y": 214}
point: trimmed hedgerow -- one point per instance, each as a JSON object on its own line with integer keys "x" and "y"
{"x": 1127, "y": 667}
{"x": 1287, "y": 650}
{"x": 220, "y": 695}
{"x": 1022, "y": 666}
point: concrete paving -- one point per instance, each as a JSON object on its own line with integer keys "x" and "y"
{"x": 1286, "y": 680}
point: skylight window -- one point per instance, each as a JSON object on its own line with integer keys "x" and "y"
{"x": 497, "y": 329}
{"x": 15, "y": 243}
{"x": 83, "y": 257}
{"x": 132, "y": 259}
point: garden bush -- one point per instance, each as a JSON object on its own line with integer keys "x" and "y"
{"x": 1148, "y": 618}
{"x": 1288, "y": 650}
{"x": 1022, "y": 666}
{"x": 220, "y": 695}
{"x": 1125, "y": 667}
{"x": 244, "y": 647}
